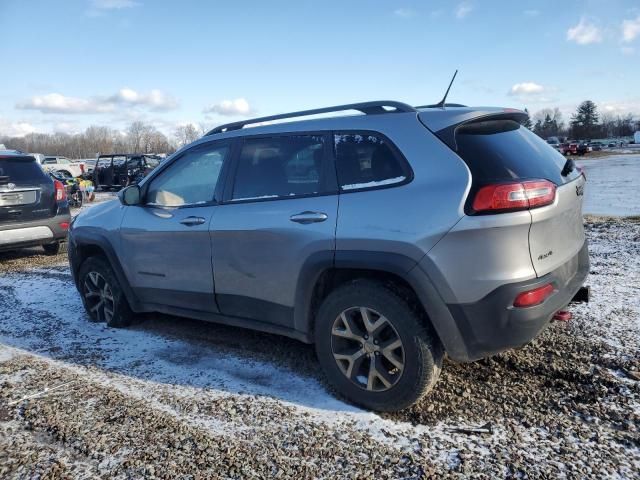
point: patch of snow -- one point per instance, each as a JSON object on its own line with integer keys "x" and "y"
{"x": 388, "y": 181}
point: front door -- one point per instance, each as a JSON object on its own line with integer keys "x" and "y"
{"x": 165, "y": 240}
{"x": 277, "y": 223}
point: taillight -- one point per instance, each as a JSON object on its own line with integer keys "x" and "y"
{"x": 533, "y": 297}
{"x": 82, "y": 167}
{"x": 505, "y": 197}
{"x": 61, "y": 193}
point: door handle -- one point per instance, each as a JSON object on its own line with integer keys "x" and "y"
{"x": 191, "y": 221}
{"x": 308, "y": 217}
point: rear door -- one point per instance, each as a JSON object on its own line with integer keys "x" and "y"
{"x": 277, "y": 225}
{"x": 166, "y": 245}
{"x": 102, "y": 172}
{"x": 26, "y": 192}
{"x": 501, "y": 150}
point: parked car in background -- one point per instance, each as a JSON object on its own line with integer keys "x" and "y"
{"x": 596, "y": 146}
{"x": 33, "y": 207}
{"x": 89, "y": 165}
{"x": 120, "y": 170}
{"x": 294, "y": 228}
{"x": 62, "y": 164}
{"x": 563, "y": 148}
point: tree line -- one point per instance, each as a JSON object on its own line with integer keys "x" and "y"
{"x": 585, "y": 124}
{"x": 139, "y": 137}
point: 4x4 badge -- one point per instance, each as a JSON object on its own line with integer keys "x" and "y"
{"x": 579, "y": 190}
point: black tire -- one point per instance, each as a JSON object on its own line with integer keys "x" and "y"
{"x": 93, "y": 291}
{"x": 421, "y": 350}
{"x": 55, "y": 248}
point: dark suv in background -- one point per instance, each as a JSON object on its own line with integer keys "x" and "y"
{"x": 120, "y": 170}
{"x": 33, "y": 207}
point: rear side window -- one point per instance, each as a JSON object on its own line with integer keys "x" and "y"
{"x": 20, "y": 171}
{"x": 367, "y": 160}
{"x": 282, "y": 166}
{"x": 501, "y": 150}
{"x": 104, "y": 162}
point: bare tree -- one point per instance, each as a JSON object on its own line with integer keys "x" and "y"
{"x": 185, "y": 134}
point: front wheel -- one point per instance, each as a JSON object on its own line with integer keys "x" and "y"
{"x": 102, "y": 296}
{"x": 374, "y": 348}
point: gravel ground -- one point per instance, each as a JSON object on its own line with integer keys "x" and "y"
{"x": 174, "y": 398}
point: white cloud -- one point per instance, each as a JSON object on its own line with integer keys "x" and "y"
{"x": 532, "y": 13}
{"x": 404, "y": 13}
{"x": 15, "y": 129}
{"x": 113, "y": 4}
{"x": 463, "y": 9}
{"x": 526, "y": 88}
{"x": 584, "y": 33}
{"x": 620, "y": 107}
{"x": 155, "y": 100}
{"x": 57, "y": 103}
{"x": 237, "y": 107}
{"x": 531, "y": 92}
{"x": 630, "y": 29}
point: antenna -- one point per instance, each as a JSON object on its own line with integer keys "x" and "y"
{"x": 442, "y": 102}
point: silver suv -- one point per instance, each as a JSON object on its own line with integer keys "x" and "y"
{"x": 387, "y": 239}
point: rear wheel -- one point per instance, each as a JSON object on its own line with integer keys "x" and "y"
{"x": 102, "y": 296}
{"x": 374, "y": 348}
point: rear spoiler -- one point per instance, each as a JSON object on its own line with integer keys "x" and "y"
{"x": 444, "y": 123}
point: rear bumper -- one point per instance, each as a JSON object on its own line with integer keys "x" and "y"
{"x": 33, "y": 233}
{"x": 493, "y": 324}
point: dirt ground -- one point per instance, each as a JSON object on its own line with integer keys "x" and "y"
{"x": 175, "y": 398}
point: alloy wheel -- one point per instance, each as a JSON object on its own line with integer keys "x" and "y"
{"x": 99, "y": 296}
{"x": 367, "y": 349}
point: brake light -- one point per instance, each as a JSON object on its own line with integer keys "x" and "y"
{"x": 82, "y": 167}
{"x": 505, "y": 197}
{"x": 61, "y": 193}
{"x": 64, "y": 225}
{"x": 533, "y": 297}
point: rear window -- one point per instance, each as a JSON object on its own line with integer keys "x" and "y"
{"x": 20, "y": 171}
{"x": 501, "y": 150}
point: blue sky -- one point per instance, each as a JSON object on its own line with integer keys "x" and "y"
{"x": 71, "y": 63}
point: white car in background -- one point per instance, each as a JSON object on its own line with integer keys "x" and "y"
{"x": 63, "y": 164}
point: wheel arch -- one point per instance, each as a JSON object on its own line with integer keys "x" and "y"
{"x": 90, "y": 244}
{"x": 398, "y": 271}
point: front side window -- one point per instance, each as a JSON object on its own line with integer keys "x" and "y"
{"x": 366, "y": 160}
{"x": 280, "y": 167}
{"x": 191, "y": 180}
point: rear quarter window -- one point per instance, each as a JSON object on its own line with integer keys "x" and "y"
{"x": 503, "y": 150}
{"x": 368, "y": 160}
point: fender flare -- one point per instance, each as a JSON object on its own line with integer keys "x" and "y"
{"x": 400, "y": 265}
{"x": 97, "y": 239}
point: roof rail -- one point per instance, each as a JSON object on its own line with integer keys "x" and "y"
{"x": 368, "y": 108}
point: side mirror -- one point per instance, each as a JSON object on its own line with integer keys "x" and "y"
{"x": 130, "y": 195}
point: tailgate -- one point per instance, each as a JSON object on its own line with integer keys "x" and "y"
{"x": 557, "y": 232}
{"x": 26, "y": 192}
